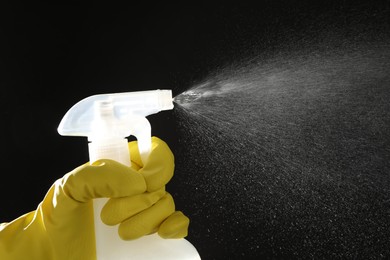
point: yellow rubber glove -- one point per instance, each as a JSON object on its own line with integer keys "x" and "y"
{"x": 153, "y": 210}
{"x": 62, "y": 225}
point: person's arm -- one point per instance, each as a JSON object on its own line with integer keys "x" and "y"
{"x": 62, "y": 225}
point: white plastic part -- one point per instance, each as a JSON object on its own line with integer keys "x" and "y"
{"x": 107, "y": 120}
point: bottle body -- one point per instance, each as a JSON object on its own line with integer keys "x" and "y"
{"x": 108, "y": 243}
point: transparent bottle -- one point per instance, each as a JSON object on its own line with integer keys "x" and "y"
{"x": 107, "y": 120}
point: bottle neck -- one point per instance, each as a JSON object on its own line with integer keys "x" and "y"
{"x": 114, "y": 149}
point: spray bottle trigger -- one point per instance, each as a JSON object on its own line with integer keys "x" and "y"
{"x": 142, "y": 130}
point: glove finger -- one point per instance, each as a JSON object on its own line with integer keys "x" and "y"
{"x": 135, "y": 157}
{"x": 117, "y": 210}
{"x": 147, "y": 221}
{"x": 175, "y": 226}
{"x": 104, "y": 178}
{"x": 159, "y": 167}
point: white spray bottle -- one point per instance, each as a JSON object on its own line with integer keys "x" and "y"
{"x": 107, "y": 120}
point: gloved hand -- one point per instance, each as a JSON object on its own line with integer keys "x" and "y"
{"x": 62, "y": 225}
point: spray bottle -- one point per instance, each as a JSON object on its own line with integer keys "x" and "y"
{"x": 107, "y": 120}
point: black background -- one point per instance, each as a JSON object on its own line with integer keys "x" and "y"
{"x": 52, "y": 56}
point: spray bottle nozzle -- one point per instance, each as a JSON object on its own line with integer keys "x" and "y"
{"x": 107, "y": 119}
